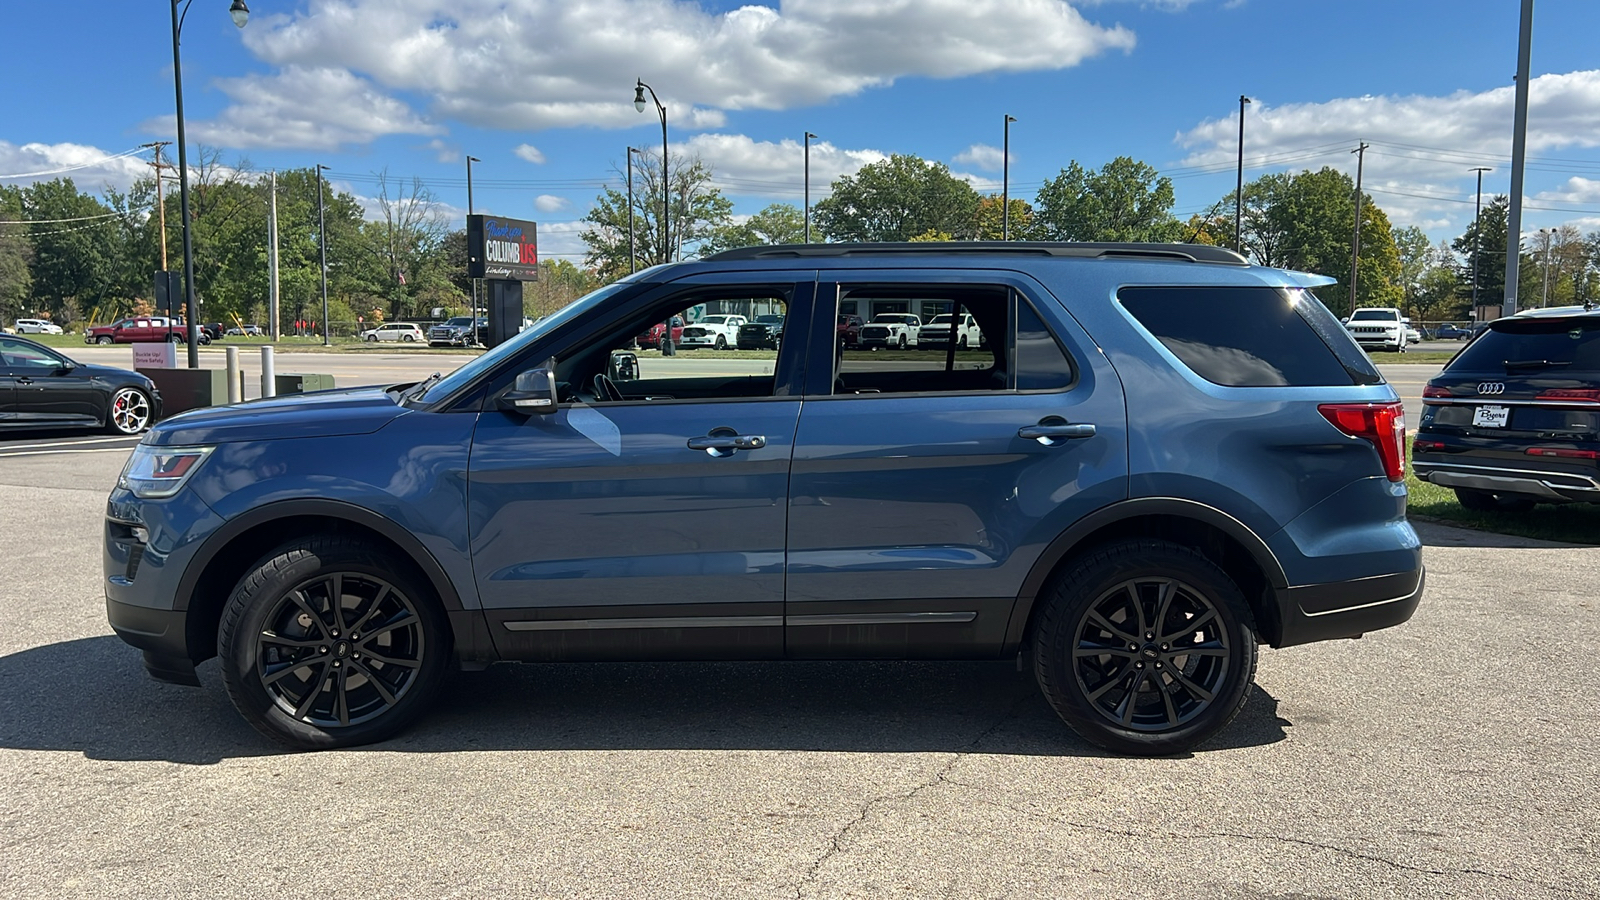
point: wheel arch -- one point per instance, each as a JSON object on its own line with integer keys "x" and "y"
{"x": 1223, "y": 539}
{"x": 223, "y": 559}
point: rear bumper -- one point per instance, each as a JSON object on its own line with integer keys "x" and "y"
{"x": 1483, "y": 475}
{"x": 1345, "y": 609}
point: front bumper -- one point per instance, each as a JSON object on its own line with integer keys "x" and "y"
{"x": 1347, "y": 609}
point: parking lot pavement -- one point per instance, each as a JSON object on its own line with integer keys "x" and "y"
{"x": 1451, "y": 757}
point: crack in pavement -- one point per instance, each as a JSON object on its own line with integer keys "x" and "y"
{"x": 1303, "y": 842}
{"x": 938, "y": 778}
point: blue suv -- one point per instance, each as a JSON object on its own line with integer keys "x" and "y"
{"x": 1161, "y": 457}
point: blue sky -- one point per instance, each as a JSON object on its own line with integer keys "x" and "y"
{"x": 541, "y": 91}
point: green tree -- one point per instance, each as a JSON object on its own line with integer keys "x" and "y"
{"x": 898, "y": 199}
{"x": 696, "y": 205}
{"x": 560, "y": 282}
{"x": 780, "y": 223}
{"x": 1127, "y": 200}
{"x": 991, "y": 218}
{"x": 16, "y": 257}
{"x": 1416, "y": 258}
{"x": 73, "y": 261}
{"x": 1485, "y": 241}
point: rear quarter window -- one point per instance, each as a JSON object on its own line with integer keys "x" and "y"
{"x": 1251, "y": 336}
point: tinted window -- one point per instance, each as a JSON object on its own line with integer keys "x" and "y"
{"x": 1250, "y": 336}
{"x": 1569, "y": 345}
{"x": 1041, "y": 364}
{"x": 1374, "y": 315}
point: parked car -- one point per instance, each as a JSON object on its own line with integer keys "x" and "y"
{"x": 1381, "y": 328}
{"x": 1167, "y": 456}
{"x": 1451, "y": 332}
{"x": 898, "y": 330}
{"x": 461, "y": 331}
{"x": 140, "y": 330}
{"x": 37, "y": 326}
{"x": 1513, "y": 419}
{"x": 765, "y": 333}
{"x": 1413, "y": 336}
{"x": 651, "y": 338}
{"x": 41, "y": 387}
{"x": 246, "y": 330}
{"x": 404, "y": 332}
{"x": 848, "y": 331}
{"x": 716, "y": 331}
{"x": 936, "y": 334}
{"x": 215, "y": 331}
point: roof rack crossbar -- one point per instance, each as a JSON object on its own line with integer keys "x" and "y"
{"x": 1201, "y": 253}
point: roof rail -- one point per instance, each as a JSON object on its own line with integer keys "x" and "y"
{"x": 1183, "y": 252}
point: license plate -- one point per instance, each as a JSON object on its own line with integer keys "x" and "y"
{"x": 1491, "y": 416}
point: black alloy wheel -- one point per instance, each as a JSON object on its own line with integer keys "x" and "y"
{"x": 331, "y": 642}
{"x": 1145, "y": 647}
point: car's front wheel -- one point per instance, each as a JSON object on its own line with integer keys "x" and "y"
{"x": 103, "y": 339}
{"x": 330, "y": 641}
{"x": 1144, "y": 647}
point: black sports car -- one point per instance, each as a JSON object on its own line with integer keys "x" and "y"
{"x": 42, "y": 388}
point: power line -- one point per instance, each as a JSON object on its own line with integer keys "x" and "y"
{"x": 60, "y": 221}
{"x": 124, "y": 154}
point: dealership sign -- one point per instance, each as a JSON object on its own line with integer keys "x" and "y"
{"x": 502, "y": 248}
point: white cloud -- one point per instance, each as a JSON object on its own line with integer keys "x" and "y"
{"x": 990, "y": 159}
{"x": 1421, "y": 145}
{"x": 444, "y": 152}
{"x": 748, "y": 167}
{"x": 90, "y": 168}
{"x": 550, "y": 203}
{"x": 530, "y": 153}
{"x": 535, "y": 64}
{"x": 563, "y": 240}
{"x": 1577, "y": 190}
{"x": 303, "y": 107}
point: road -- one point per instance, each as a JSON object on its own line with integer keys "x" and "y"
{"x": 1450, "y": 757}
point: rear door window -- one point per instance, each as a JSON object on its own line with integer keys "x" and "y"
{"x": 1251, "y": 336}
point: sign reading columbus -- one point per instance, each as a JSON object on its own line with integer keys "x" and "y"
{"x": 502, "y": 248}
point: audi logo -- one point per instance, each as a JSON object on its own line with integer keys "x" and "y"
{"x": 1491, "y": 387}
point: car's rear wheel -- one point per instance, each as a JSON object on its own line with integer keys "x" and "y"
{"x": 330, "y": 642}
{"x": 1487, "y": 501}
{"x": 902, "y": 342}
{"x": 103, "y": 339}
{"x": 722, "y": 342}
{"x": 408, "y": 338}
{"x": 1145, "y": 647}
{"x": 130, "y": 411}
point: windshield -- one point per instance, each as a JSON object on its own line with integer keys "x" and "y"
{"x": 769, "y": 320}
{"x": 890, "y": 317}
{"x": 713, "y": 320}
{"x": 460, "y": 320}
{"x": 458, "y": 379}
{"x": 1373, "y": 315}
{"x": 940, "y": 320}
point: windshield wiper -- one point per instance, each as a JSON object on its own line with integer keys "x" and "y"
{"x": 421, "y": 387}
{"x": 1534, "y": 363}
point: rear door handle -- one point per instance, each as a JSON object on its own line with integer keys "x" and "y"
{"x": 726, "y": 444}
{"x": 1055, "y": 435}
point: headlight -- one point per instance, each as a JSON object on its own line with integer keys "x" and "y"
{"x": 156, "y": 472}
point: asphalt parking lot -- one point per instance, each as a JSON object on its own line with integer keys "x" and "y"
{"x": 1451, "y": 757}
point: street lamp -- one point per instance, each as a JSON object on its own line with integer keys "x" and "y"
{"x": 1005, "y": 182}
{"x": 470, "y": 161}
{"x": 1477, "y": 236}
{"x": 1238, "y": 191}
{"x": 809, "y": 138}
{"x": 240, "y": 14}
{"x": 638, "y": 104}
{"x": 322, "y": 242}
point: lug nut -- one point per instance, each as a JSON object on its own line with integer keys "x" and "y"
{"x": 1137, "y": 665}
{"x": 323, "y": 649}
{"x": 336, "y": 664}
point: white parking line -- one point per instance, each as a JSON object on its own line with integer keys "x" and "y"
{"x": 9, "y": 455}
{"x": 72, "y": 443}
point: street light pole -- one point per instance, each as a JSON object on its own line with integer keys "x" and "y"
{"x": 1238, "y": 191}
{"x": 1355, "y": 240}
{"x": 666, "y": 227}
{"x": 1477, "y": 235}
{"x": 470, "y": 161}
{"x": 633, "y": 258}
{"x": 809, "y": 138}
{"x": 322, "y": 243}
{"x": 240, "y": 13}
{"x": 1519, "y": 151}
{"x": 1005, "y": 182}
{"x": 1549, "y": 238}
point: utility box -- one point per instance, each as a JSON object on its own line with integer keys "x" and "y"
{"x": 186, "y": 389}
{"x": 303, "y": 384}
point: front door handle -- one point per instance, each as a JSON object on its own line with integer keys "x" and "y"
{"x": 24, "y": 380}
{"x": 1054, "y": 435}
{"x": 726, "y": 444}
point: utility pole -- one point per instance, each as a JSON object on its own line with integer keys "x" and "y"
{"x": 470, "y": 161}
{"x": 161, "y": 205}
{"x": 1005, "y": 183}
{"x": 273, "y": 314}
{"x": 1238, "y": 191}
{"x": 1519, "y": 152}
{"x": 322, "y": 243}
{"x": 809, "y": 138}
{"x": 1549, "y": 235}
{"x": 1477, "y": 236}
{"x": 1355, "y": 241}
{"x": 633, "y": 258}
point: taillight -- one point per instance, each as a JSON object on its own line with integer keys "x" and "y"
{"x": 1381, "y": 424}
{"x": 1585, "y": 396}
{"x": 1434, "y": 390}
{"x": 1563, "y": 453}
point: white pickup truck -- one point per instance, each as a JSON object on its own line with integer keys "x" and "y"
{"x": 718, "y": 332}
{"x": 892, "y": 330}
{"x": 1382, "y": 327}
{"x": 936, "y": 333}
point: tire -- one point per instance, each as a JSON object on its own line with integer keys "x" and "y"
{"x": 103, "y": 339}
{"x": 1402, "y": 347}
{"x": 371, "y": 339}
{"x": 962, "y": 343}
{"x": 129, "y": 412}
{"x": 281, "y": 610}
{"x": 1091, "y": 692}
{"x": 409, "y": 338}
{"x": 1486, "y": 501}
{"x": 902, "y": 342}
{"x": 722, "y": 342}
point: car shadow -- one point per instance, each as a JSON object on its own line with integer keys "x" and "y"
{"x": 1438, "y": 534}
{"x": 92, "y": 696}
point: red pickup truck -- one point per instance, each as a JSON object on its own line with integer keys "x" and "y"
{"x": 652, "y": 338}
{"x": 139, "y": 330}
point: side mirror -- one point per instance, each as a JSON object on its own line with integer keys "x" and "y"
{"x": 534, "y": 391}
{"x": 624, "y": 366}
{"x": 1406, "y": 321}
{"x": 1345, "y": 321}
